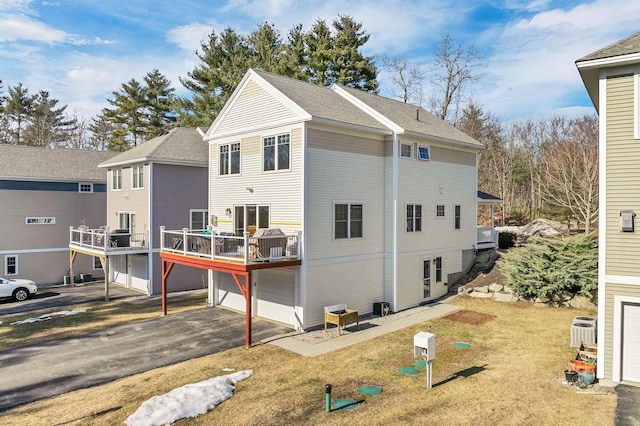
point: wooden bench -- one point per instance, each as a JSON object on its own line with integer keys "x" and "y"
{"x": 339, "y": 315}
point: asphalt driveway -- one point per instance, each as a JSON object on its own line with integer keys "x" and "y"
{"x": 60, "y": 296}
{"x": 44, "y": 370}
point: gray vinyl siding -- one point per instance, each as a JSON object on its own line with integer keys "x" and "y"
{"x": 611, "y": 291}
{"x": 623, "y": 176}
{"x": 176, "y": 191}
{"x": 32, "y": 242}
{"x": 181, "y": 278}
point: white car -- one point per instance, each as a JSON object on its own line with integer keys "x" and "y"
{"x": 18, "y": 289}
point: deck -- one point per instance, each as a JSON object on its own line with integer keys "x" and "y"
{"x": 487, "y": 238}
{"x": 226, "y": 247}
{"x": 103, "y": 241}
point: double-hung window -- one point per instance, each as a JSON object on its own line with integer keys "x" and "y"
{"x": 276, "y": 152}
{"x": 198, "y": 220}
{"x": 11, "y": 264}
{"x": 414, "y": 217}
{"x": 116, "y": 183}
{"x": 437, "y": 264}
{"x": 138, "y": 177}
{"x": 456, "y": 217}
{"x": 348, "y": 220}
{"x": 229, "y": 159}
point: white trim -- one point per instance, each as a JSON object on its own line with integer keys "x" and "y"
{"x": 445, "y": 211}
{"x": 349, "y": 203}
{"x": 636, "y": 106}
{"x": 27, "y": 251}
{"x": 602, "y": 234}
{"x": 111, "y": 184}
{"x": 81, "y": 184}
{"x": 411, "y": 151}
{"x": 622, "y": 279}
{"x": 384, "y": 120}
{"x": 149, "y": 231}
{"x": 618, "y": 302}
{"x": 40, "y": 220}
{"x": 407, "y": 204}
{"x": 135, "y": 179}
{"x": 276, "y": 146}
{"x": 6, "y": 264}
{"x": 615, "y": 60}
{"x": 395, "y": 163}
{"x": 303, "y": 233}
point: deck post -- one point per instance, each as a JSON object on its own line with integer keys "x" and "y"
{"x": 248, "y": 321}
{"x": 184, "y": 240}
{"x": 246, "y": 247}
{"x": 162, "y": 238}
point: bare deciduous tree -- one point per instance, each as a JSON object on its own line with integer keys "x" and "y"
{"x": 454, "y": 68}
{"x": 570, "y": 168}
{"x": 407, "y": 79}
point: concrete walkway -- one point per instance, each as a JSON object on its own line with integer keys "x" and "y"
{"x": 628, "y": 408}
{"x": 34, "y": 372}
{"x": 416, "y": 316}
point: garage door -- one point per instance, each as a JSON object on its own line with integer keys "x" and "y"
{"x": 228, "y": 292}
{"x": 277, "y": 296}
{"x": 631, "y": 343}
{"x": 138, "y": 273}
{"x": 119, "y": 268}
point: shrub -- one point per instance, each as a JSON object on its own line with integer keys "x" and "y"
{"x": 507, "y": 240}
{"x": 547, "y": 267}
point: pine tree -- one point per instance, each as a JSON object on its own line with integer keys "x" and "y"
{"x": 160, "y": 100}
{"x": 18, "y": 108}
{"x": 350, "y": 67}
{"x": 129, "y": 114}
{"x": 48, "y": 126}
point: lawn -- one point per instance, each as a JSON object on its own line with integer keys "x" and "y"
{"x": 511, "y": 374}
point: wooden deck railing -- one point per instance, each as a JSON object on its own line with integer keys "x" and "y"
{"x": 108, "y": 241}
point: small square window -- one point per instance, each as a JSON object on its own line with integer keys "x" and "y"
{"x": 440, "y": 210}
{"x": 406, "y": 150}
{"x": 85, "y": 187}
{"x": 423, "y": 153}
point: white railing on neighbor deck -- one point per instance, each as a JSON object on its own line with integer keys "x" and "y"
{"x": 487, "y": 235}
{"x": 105, "y": 240}
{"x": 226, "y": 246}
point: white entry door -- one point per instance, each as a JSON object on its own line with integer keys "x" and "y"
{"x": 631, "y": 343}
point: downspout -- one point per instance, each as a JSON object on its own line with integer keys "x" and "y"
{"x": 150, "y": 231}
{"x": 602, "y": 231}
{"x": 302, "y": 245}
{"x": 395, "y": 190}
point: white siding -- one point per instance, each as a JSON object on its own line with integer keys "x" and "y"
{"x": 242, "y": 114}
{"x": 356, "y": 282}
{"x": 279, "y": 190}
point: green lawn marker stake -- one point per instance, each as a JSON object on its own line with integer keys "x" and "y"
{"x": 327, "y": 390}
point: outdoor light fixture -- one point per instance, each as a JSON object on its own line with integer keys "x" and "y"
{"x": 250, "y": 189}
{"x": 228, "y": 212}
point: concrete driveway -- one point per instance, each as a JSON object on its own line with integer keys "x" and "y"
{"x": 44, "y": 370}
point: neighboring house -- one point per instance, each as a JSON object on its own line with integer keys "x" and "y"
{"x": 43, "y": 192}
{"x": 160, "y": 182}
{"x": 612, "y": 78}
{"x": 377, "y": 199}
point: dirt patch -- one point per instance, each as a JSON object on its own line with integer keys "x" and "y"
{"x": 470, "y": 317}
{"x": 491, "y": 277}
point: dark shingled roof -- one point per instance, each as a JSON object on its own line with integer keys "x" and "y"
{"x": 626, "y": 46}
{"x": 181, "y": 145}
{"x": 488, "y": 197}
{"x": 33, "y": 163}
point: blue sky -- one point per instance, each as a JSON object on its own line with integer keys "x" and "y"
{"x": 81, "y": 51}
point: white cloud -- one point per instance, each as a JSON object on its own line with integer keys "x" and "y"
{"x": 20, "y": 27}
{"x": 532, "y": 66}
{"x": 188, "y": 37}
{"x": 15, "y": 5}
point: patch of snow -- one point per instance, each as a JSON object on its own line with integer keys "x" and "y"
{"x": 187, "y": 401}
{"x": 224, "y": 369}
{"x": 45, "y": 317}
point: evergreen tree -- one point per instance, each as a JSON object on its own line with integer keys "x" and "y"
{"x": 129, "y": 115}
{"x": 350, "y": 67}
{"x": 293, "y": 54}
{"x": 319, "y": 56}
{"x": 18, "y": 109}
{"x": 48, "y": 126}
{"x": 266, "y": 48}
{"x": 550, "y": 267}
{"x": 160, "y": 100}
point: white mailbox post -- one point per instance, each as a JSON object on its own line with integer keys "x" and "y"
{"x": 424, "y": 345}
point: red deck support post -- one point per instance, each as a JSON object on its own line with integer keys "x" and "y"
{"x": 248, "y": 321}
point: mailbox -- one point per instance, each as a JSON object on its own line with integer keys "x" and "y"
{"x": 424, "y": 345}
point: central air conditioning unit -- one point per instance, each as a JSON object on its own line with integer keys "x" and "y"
{"x": 583, "y": 330}
{"x": 381, "y": 309}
